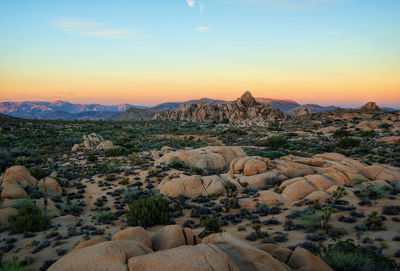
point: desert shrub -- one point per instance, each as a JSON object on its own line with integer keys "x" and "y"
{"x": 147, "y": 212}
{"x": 273, "y": 142}
{"x": 310, "y": 221}
{"x": 74, "y": 208}
{"x": 374, "y": 222}
{"x": 104, "y": 217}
{"x": 370, "y": 133}
{"x": 29, "y": 218}
{"x": 348, "y": 143}
{"x": 6, "y": 160}
{"x": 196, "y": 171}
{"x": 37, "y": 172}
{"x": 385, "y": 126}
{"x": 340, "y": 133}
{"x": 176, "y": 163}
{"x": 115, "y": 152}
{"x": 92, "y": 158}
{"x": 211, "y": 225}
{"x": 14, "y": 266}
{"x": 347, "y": 256}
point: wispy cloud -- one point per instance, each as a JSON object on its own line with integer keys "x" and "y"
{"x": 203, "y": 29}
{"x": 191, "y": 3}
{"x": 93, "y": 29}
{"x": 335, "y": 32}
{"x": 201, "y": 7}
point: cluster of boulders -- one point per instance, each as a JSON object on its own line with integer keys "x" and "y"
{"x": 14, "y": 183}
{"x": 173, "y": 248}
{"x": 300, "y": 112}
{"x": 244, "y": 110}
{"x": 93, "y": 141}
{"x": 302, "y": 177}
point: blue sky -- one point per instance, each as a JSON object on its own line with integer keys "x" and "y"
{"x": 151, "y": 51}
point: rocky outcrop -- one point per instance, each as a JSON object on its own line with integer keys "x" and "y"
{"x": 208, "y": 158}
{"x": 178, "y": 249}
{"x": 193, "y": 186}
{"x": 245, "y": 109}
{"x": 369, "y": 106}
{"x": 15, "y": 179}
{"x": 300, "y": 112}
{"x": 250, "y": 165}
{"x": 50, "y": 186}
{"x": 93, "y": 141}
{"x": 203, "y": 257}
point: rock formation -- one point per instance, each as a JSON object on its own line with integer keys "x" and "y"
{"x": 244, "y": 110}
{"x": 369, "y": 106}
{"x": 93, "y": 141}
{"x": 173, "y": 248}
{"x": 299, "y": 112}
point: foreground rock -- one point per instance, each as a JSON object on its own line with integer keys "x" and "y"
{"x": 244, "y": 110}
{"x": 15, "y": 179}
{"x": 208, "y": 158}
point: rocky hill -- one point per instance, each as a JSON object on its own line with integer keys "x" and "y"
{"x": 133, "y": 114}
{"x": 244, "y": 109}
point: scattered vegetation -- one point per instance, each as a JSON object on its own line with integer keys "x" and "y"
{"x": 29, "y": 218}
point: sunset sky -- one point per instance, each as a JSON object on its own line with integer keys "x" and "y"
{"x": 342, "y": 52}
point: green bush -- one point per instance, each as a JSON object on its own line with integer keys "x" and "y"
{"x": 348, "y": 143}
{"x": 6, "y": 160}
{"x": 29, "y": 218}
{"x": 147, "y": 212}
{"x": 347, "y": 256}
{"x": 310, "y": 221}
{"x": 196, "y": 171}
{"x": 211, "y": 225}
{"x": 14, "y": 266}
{"x": 340, "y": 133}
{"x": 37, "y": 172}
{"x": 115, "y": 152}
{"x": 273, "y": 142}
{"x": 176, "y": 163}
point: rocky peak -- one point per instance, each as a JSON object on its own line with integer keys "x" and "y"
{"x": 369, "y": 106}
{"x": 248, "y": 99}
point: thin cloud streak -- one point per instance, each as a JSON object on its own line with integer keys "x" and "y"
{"x": 93, "y": 29}
{"x": 203, "y": 29}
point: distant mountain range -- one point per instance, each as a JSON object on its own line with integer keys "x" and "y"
{"x": 69, "y": 111}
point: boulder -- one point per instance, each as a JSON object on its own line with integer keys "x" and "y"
{"x": 250, "y": 166}
{"x": 203, "y": 257}
{"x": 50, "y": 186}
{"x": 246, "y": 257}
{"x": 15, "y": 179}
{"x": 300, "y": 112}
{"x": 5, "y": 213}
{"x": 303, "y": 260}
{"x": 105, "y": 145}
{"x": 172, "y": 236}
{"x": 321, "y": 196}
{"x": 91, "y": 242}
{"x": 208, "y": 158}
{"x": 193, "y": 186}
{"x": 292, "y": 169}
{"x": 267, "y": 197}
{"x": 331, "y": 156}
{"x": 318, "y": 162}
{"x": 298, "y": 190}
{"x": 282, "y": 254}
{"x": 137, "y": 234}
{"x": 259, "y": 180}
{"x": 104, "y": 256}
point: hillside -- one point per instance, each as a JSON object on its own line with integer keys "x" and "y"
{"x": 136, "y": 114}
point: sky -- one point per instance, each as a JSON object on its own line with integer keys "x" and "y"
{"x": 342, "y": 52}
